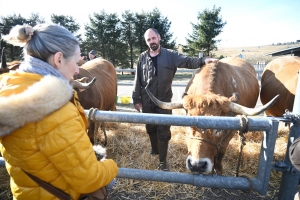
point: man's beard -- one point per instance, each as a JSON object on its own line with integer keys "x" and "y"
{"x": 154, "y": 46}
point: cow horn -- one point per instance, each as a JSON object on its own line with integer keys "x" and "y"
{"x": 164, "y": 105}
{"x": 79, "y": 85}
{"x": 242, "y": 110}
{"x": 3, "y": 59}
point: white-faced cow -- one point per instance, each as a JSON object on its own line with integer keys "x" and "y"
{"x": 280, "y": 76}
{"x": 212, "y": 91}
{"x": 102, "y": 94}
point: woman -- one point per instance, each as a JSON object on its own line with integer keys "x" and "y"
{"x": 42, "y": 124}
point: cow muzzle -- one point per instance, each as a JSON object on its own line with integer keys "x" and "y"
{"x": 203, "y": 165}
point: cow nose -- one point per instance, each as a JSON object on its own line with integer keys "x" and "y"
{"x": 200, "y": 166}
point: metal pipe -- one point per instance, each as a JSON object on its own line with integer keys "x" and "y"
{"x": 228, "y": 123}
{"x": 212, "y": 181}
{"x": 290, "y": 178}
{"x": 2, "y": 162}
{"x": 238, "y": 183}
{"x": 266, "y": 157}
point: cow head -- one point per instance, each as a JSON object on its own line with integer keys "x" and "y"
{"x": 206, "y": 147}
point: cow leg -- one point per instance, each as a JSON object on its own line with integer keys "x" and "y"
{"x": 104, "y": 132}
{"x": 91, "y": 131}
{"x": 163, "y": 151}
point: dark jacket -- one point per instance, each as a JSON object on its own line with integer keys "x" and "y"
{"x": 161, "y": 84}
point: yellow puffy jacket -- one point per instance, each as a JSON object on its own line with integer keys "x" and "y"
{"x": 43, "y": 131}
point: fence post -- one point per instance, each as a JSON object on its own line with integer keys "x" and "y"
{"x": 290, "y": 178}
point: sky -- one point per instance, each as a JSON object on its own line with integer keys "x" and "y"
{"x": 249, "y": 22}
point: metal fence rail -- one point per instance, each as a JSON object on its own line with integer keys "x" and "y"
{"x": 259, "y": 183}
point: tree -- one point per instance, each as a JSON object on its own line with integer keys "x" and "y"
{"x": 104, "y": 36}
{"x": 35, "y": 19}
{"x": 128, "y": 35}
{"x": 153, "y": 19}
{"x": 68, "y": 22}
{"x": 162, "y": 25}
{"x": 202, "y": 39}
{"x": 12, "y": 52}
{"x": 140, "y": 25}
{"x": 116, "y": 49}
{"x": 94, "y": 33}
{"x": 6, "y": 23}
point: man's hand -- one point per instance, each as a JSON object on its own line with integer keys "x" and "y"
{"x": 211, "y": 60}
{"x": 138, "y": 107}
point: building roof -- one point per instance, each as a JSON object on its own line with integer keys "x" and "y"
{"x": 291, "y": 50}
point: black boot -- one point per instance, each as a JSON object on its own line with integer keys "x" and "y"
{"x": 163, "y": 151}
{"x": 154, "y": 147}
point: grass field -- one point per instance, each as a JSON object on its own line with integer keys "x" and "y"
{"x": 254, "y": 53}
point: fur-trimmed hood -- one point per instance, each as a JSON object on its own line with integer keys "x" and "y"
{"x": 33, "y": 104}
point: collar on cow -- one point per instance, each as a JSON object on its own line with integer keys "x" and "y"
{"x": 218, "y": 146}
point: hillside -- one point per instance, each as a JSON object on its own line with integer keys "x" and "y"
{"x": 251, "y": 51}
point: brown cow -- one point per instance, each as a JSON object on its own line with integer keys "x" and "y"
{"x": 211, "y": 92}
{"x": 6, "y": 67}
{"x": 102, "y": 95}
{"x": 280, "y": 76}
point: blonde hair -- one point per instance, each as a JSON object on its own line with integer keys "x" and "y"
{"x": 43, "y": 40}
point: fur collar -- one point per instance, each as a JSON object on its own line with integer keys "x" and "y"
{"x": 33, "y": 104}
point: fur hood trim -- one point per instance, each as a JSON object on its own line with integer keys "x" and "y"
{"x": 33, "y": 104}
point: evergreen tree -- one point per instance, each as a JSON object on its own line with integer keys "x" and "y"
{"x": 35, "y": 18}
{"x": 6, "y": 23}
{"x": 94, "y": 33}
{"x": 104, "y": 36}
{"x": 140, "y": 28}
{"x": 162, "y": 25}
{"x": 153, "y": 19}
{"x": 128, "y": 35}
{"x": 12, "y": 52}
{"x": 204, "y": 33}
{"x": 115, "y": 48}
{"x": 68, "y": 22}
